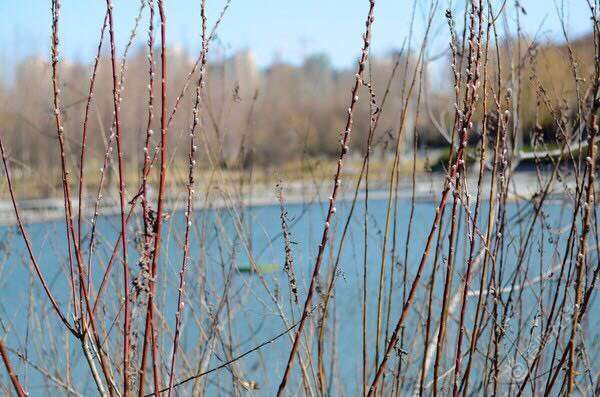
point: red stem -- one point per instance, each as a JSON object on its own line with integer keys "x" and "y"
{"x": 149, "y": 328}
{"x": 116, "y": 101}
{"x": 11, "y": 372}
{"x": 332, "y": 199}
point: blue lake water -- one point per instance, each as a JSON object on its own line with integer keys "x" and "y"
{"x": 224, "y": 239}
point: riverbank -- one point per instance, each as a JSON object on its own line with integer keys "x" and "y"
{"x": 524, "y": 185}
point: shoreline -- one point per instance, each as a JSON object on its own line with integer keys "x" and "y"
{"x": 427, "y": 189}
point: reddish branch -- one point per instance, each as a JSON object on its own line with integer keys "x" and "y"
{"x": 190, "y": 199}
{"x": 67, "y": 198}
{"x": 11, "y": 372}
{"x": 150, "y": 330}
{"x": 337, "y": 183}
{"x": 117, "y": 108}
{"x": 463, "y": 123}
{"x": 85, "y": 126}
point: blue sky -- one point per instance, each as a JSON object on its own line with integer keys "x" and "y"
{"x": 271, "y": 29}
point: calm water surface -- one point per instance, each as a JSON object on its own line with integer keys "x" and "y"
{"x": 217, "y": 250}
